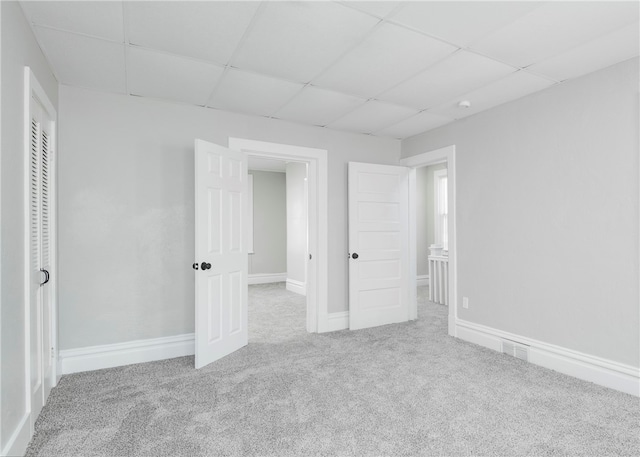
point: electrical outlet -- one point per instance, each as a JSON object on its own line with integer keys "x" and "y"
{"x": 465, "y": 302}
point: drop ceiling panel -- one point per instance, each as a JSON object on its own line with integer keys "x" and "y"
{"x": 318, "y": 106}
{"x": 379, "y": 9}
{"x": 602, "y": 52}
{"x": 456, "y": 75}
{"x": 161, "y": 75}
{"x": 554, "y": 28}
{"x": 510, "y": 88}
{"x": 372, "y": 117}
{"x": 414, "y": 125}
{"x": 204, "y": 30}
{"x": 252, "y": 93}
{"x": 100, "y": 19}
{"x": 388, "y": 56}
{"x": 297, "y": 40}
{"x": 460, "y": 23}
{"x": 84, "y": 61}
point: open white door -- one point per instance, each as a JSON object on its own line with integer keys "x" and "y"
{"x": 221, "y": 251}
{"x": 378, "y": 245}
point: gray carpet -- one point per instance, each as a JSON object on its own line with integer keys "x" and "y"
{"x": 403, "y": 389}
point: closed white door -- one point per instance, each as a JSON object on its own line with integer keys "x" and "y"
{"x": 378, "y": 245}
{"x": 221, "y": 251}
{"x": 40, "y": 269}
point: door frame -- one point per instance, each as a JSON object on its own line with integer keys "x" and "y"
{"x": 317, "y": 213}
{"x": 446, "y": 155}
{"x": 32, "y": 88}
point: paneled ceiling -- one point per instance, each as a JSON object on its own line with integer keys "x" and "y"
{"x": 392, "y": 69}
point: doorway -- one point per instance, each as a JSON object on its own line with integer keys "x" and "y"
{"x": 317, "y": 232}
{"x": 445, "y": 156}
{"x": 278, "y": 248}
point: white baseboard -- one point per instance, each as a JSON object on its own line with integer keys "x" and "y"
{"x": 266, "y": 278}
{"x": 422, "y": 280}
{"x": 334, "y": 322}
{"x": 115, "y": 355}
{"x": 296, "y": 286}
{"x": 604, "y": 372}
{"x": 17, "y": 444}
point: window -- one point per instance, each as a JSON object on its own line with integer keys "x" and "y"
{"x": 441, "y": 208}
{"x": 250, "y": 214}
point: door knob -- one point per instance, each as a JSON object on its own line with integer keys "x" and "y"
{"x": 354, "y": 255}
{"x": 46, "y": 276}
{"x": 205, "y": 266}
{"x": 194, "y": 266}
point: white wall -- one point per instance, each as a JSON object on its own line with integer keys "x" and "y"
{"x": 548, "y": 213}
{"x": 296, "y": 222}
{"x": 425, "y": 217}
{"x": 19, "y": 49}
{"x": 126, "y": 209}
{"x": 269, "y": 223}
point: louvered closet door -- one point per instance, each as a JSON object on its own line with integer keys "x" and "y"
{"x": 40, "y": 258}
{"x": 45, "y": 257}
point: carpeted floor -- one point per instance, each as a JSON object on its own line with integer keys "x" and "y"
{"x": 403, "y": 389}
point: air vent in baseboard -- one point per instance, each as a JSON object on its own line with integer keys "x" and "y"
{"x": 517, "y": 350}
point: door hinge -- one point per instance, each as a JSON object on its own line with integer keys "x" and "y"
{"x": 53, "y": 353}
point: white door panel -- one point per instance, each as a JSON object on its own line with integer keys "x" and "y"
{"x": 378, "y": 245}
{"x": 221, "y": 252}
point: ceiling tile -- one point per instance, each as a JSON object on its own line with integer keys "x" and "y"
{"x": 419, "y": 123}
{"x": 554, "y": 28}
{"x": 388, "y": 56}
{"x": 372, "y": 116}
{"x": 378, "y": 8}
{"x": 252, "y": 93}
{"x": 317, "y": 106}
{"x": 510, "y": 88}
{"x": 460, "y": 23}
{"x": 602, "y": 52}
{"x": 204, "y": 30}
{"x": 460, "y": 73}
{"x": 84, "y": 61}
{"x": 100, "y": 19}
{"x": 156, "y": 74}
{"x": 297, "y": 40}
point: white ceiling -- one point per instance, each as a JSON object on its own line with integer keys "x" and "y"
{"x": 376, "y": 67}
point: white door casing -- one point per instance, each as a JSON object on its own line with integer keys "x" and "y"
{"x": 317, "y": 217}
{"x": 378, "y": 244}
{"x": 446, "y": 154}
{"x": 220, "y": 241}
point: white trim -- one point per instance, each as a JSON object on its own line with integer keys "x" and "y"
{"x": 604, "y": 372}
{"x": 336, "y": 321}
{"x": 17, "y": 444}
{"x": 119, "y": 354}
{"x": 446, "y": 154}
{"x": 296, "y": 286}
{"x": 318, "y": 229}
{"x": 267, "y": 278}
{"x": 422, "y": 280}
